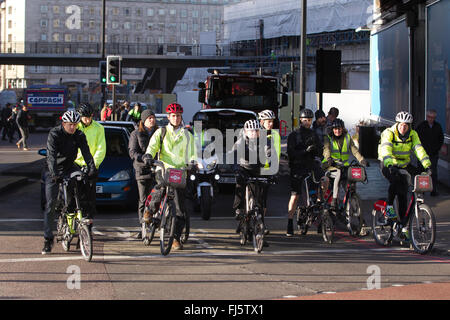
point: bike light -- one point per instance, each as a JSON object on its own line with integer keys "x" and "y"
{"x": 120, "y": 176}
{"x": 217, "y": 177}
{"x": 192, "y": 177}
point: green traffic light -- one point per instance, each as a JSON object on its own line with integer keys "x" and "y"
{"x": 112, "y": 78}
{"x": 103, "y": 79}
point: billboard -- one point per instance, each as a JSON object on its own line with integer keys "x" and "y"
{"x": 389, "y": 71}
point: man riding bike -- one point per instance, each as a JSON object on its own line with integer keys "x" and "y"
{"x": 95, "y": 136}
{"x": 337, "y": 147}
{"x": 394, "y": 153}
{"x": 176, "y": 148}
{"x": 303, "y": 148}
{"x": 62, "y": 148}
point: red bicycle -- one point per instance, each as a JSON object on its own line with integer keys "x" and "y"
{"x": 422, "y": 223}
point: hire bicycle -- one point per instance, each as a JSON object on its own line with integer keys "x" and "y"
{"x": 422, "y": 222}
{"x": 71, "y": 222}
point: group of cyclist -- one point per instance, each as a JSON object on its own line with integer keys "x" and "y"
{"x": 80, "y": 142}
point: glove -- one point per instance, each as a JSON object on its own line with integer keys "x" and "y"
{"x": 364, "y": 163}
{"x": 393, "y": 170}
{"x": 311, "y": 149}
{"x": 147, "y": 159}
{"x": 330, "y": 162}
{"x": 93, "y": 173}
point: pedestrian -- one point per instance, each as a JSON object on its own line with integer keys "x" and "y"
{"x": 105, "y": 114}
{"x": 432, "y": 137}
{"x": 22, "y": 124}
{"x": 124, "y": 111}
{"x": 319, "y": 125}
{"x": 135, "y": 114}
{"x": 6, "y": 121}
{"x": 333, "y": 113}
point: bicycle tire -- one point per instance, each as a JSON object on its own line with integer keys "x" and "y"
{"x": 382, "y": 230}
{"x": 148, "y": 232}
{"x": 258, "y": 233}
{"x": 327, "y": 227}
{"x": 243, "y": 231}
{"x": 167, "y": 228}
{"x": 86, "y": 244}
{"x": 421, "y": 243}
{"x": 301, "y": 221}
{"x": 206, "y": 203}
{"x": 353, "y": 215}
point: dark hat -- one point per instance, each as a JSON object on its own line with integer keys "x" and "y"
{"x": 319, "y": 114}
{"x": 146, "y": 113}
{"x": 334, "y": 111}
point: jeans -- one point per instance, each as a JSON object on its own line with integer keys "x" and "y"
{"x": 24, "y": 133}
{"x": 144, "y": 188}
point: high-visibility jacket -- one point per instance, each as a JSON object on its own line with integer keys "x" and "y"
{"x": 339, "y": 149}
{"x": 392, "y": 150}
{"x": 275, "y": 137}
{"x": 95, "y": 136}
{"x": 177, "y": 149}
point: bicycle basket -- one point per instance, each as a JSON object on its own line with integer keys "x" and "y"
{"x": 356, "y": 174}
{"x": 423, "y": 183}
{"x": 175, "y": 178}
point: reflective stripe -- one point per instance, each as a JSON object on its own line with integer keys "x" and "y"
{"x": 387, "y": 144}
{"x": 424, "y": 159}
{"x": 387, "y": 157}
{"x": 417, "y": 146}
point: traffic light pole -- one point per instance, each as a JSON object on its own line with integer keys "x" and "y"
{"x": 103, "y": 51}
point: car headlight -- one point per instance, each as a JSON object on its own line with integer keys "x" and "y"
{"x": 120, "y": 176}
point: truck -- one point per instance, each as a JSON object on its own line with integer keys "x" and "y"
{"x": 242, "y": 90}
{"x": 46, "y": 104}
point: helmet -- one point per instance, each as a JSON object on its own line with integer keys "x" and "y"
{"x": 85, "y": 110}
{"x": 306, "y": 113}
{"x": 337, "y": 123}
{"x": 71, "y": 116}
{"x": 252, "y": 125}
{"x": 404, "y": 116}
{"x": 266, "y": 115}
{"x": 174, "y": 108}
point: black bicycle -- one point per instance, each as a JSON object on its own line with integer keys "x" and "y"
{"x": 71, "y": 221}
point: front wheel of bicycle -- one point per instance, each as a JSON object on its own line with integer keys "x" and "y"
{"x": 167, "y": 228}
{"x": 258, "y": 233}
{"x": 382, "y": 228}
{"x": 148, "y": 232}
{"x": 327, "y": 227}
{"x": 302, "y": 218}
{"x": 85, "y": 237}
{"x": 354, "y": 216}
{"x": 422, "y": 228}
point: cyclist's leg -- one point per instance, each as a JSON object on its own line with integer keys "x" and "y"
{"x": 180, "y": 212}
{"x": 239, "y": 195}
{"x": 51, "y": 193}
{"x": 143, "y": 191}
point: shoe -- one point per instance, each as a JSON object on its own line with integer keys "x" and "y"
{"x": 18, "y": 145}
{"x": 390, "y": 213}
{"x": 26, "y": 149}
{"x": 48, "y": 244}
{"x": 405, "y": 233}
{"x": 290, "y": 228}
{"x": 176, "y": 245}
{"x": 147, "y": 218}
{"x": 266, "y": 231}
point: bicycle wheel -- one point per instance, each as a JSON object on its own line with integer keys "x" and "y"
{"x": 422, "y": 229}
{"x": 354, "y": 216}
{"x": 85, "y": 237}
{"x": 327, "y": 227}
{"x": 257, "y": 233}
{"x": 243, "y": 231}
{"x": 167, "y": 228}
{"x": 302, "y": 218}
{"x": 186, "y": 229}
{"x": 148, "y": 232}
{"x": 382, "y": 228}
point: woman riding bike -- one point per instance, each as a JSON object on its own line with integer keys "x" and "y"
{"x": 394, "y": 152}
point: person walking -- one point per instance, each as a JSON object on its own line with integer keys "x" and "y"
{"x": 22, "y": 124}
{"x": 6, "y": 122}
{"x": 105, "y": 114}
{"x": 432, "y": 137}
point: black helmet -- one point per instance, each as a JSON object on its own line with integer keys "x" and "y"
{"x": 85, "y": 110}
{"x": 338, "y": 123}
{"x": 306, "y": 113}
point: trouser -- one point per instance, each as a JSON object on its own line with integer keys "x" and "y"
{"x": 7, "y": 131}
{"x": 24, "y": 132}
{"x": 336, "y": 175}
{"x": 398, "y": 186}
{"x": 144, "y": 188}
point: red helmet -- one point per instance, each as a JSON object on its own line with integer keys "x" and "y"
{"x": 174, "y": 108}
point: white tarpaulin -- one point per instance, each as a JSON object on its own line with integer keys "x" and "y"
{"x": 282, "y": 17}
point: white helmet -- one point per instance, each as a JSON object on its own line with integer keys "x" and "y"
{"x": 404, "y": 116}
{"x": 266, "y": 115}
{"x": 252, "y": 125}
{"x": 71, "y": 116}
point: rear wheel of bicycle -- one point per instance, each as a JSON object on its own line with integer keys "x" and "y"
{"x": 382, "y": 228}
{"x": 258, "y": 233}
{"x": 327, "y": 227}
{"x": 354, "y": 216}
{"x": 422, "y": 229}
{"x": 167, "y": 229}
{"x": 302, "y": 218}
{"x": 86, "y": 245}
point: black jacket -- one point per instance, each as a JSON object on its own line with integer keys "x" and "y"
{"x": 431, "y": 138}
{"x": 300, "y": 160}
{"x": 62, "y": 150}
{"x": 137, "y": 146}
{"x": 22, "y": 119}
{"x": 248, "y": 155}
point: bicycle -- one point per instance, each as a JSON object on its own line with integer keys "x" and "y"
{"x": 422, "y": 224}
{"x": 348, "y": 211}
{"x": 251, "y": 225}
{"x": 314, "y": 212}
{"x": 165, "y": 217}
{"x": 71, "y": 223}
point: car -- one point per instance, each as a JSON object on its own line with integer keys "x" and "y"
{"x": 116, "y": 182}
{"x": 129, "y": 125}
{"x": 223, "y": 119}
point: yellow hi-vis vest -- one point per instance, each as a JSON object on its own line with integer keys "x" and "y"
{"x": 340, "y": 154}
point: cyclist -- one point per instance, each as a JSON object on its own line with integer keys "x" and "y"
{"x": 95, "y": 136}
{"x": 394, "y": 151}
{"x": 135, "y": 114}
{"x": 267, "y": 118}
{"x": 175, "y": 145}
{"x": 337, "y": 147}
{"x": 137, "y": 146}
{"x": 303, "y": 148}
{"x": 62, "y": 149}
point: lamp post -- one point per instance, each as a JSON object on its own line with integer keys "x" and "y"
{"x": 103, "y": 50}
{"x": 303, "y": 57}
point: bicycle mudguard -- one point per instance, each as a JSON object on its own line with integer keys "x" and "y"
{"x": 380, "y": 205}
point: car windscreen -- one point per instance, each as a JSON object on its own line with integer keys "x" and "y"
{"x": 162, "y": 121}
{"x": 116, "y": 143}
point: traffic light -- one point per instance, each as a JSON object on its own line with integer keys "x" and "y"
{"x": 102, "y": 68}
{"x": 113, "y": 75}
